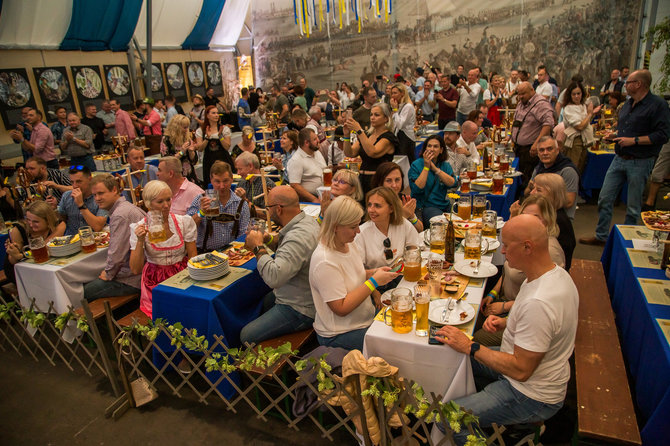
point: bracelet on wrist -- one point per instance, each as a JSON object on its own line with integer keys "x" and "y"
{"x": 426, "y": 168}
{"x": 200, "y": 213}
{"x": 374, "y": 282}
{"x": 271, "y": 239}
{"x": 494, "y": 293}
{"x": 414, "y": 220}
{"x": 369, "y": 285}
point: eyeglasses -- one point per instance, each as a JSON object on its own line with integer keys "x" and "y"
{"x": 272, "y": 205}
{"x": 78, "y": 168}
{"x": 633, "y": 80}
{"x": 340, "y": 181}
{"x": 388, "y": 252}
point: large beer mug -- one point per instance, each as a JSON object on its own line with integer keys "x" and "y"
{"x": 472, "y": 169}
{"x": 474, "y": 244}
{"x": 401, "y": 310}
{"x": 412, "y": 268}
{"x": 213, "y": 210}
{"x": 256, "y": 224}
{"x": 490, "y": 224}
{"x": 438, "y": 233}
{"x": 87, "y": 239}
{"x": 38, "y": 249}
{"x": 498, "y": 183}
{"x": 464, "y": 207}
{"x": 155, "y": 230}
{"x": 479, "y": 205}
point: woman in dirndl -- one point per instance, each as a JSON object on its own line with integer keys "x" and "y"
{"x": 163, "y": 259}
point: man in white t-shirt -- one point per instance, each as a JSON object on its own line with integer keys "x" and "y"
{"x": 469, "y": 92}
{"x": 305, "y": 168}
{"x": 529, "y": 375}
{"x": 544, "y": 87}
{"x": 466, "y": 142}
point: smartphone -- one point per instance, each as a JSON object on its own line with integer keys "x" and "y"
{"x": 432, "y": 332}
{"x": 350, "y": 113}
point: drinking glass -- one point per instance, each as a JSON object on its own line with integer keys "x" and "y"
{"x": 412, "y": 257}
{"x": 479, "y": 205}
{"x": 156, "y": 232}
{"x": 435, "y": 263}
{"x": 256, "y": 224}
{"x": 213, "y": 209}
{"x": 401, "y": 310}
{"x": 489, "y": 224}
{"x": 465, "y": 184}
{"x": 475, "y": 245}
{"x": 504, "y": 163}
{"x": 422, "y": 304}
{"x": 87, "y": 239}
{"x": 472, "y": 170}
{"x": 327, "y": 176}
{"x": 438, "y": 232}
{"x": 498, "y": 183}
{"x": 38, "y": 248}
{"x": 464, "y": 207}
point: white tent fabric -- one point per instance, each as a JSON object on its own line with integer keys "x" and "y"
{"x": 173, "y": 21}
{"x": 230, "y": 24}
{"x": 38, "y": 24}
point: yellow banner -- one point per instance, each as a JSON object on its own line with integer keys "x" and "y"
{"x": 245, "y": 71}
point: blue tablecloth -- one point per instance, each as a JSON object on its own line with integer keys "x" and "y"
{"x": 211, "y": 312}
{"x": 594, "y": 174}
{"x": 3, "y": 251}
{"x": 644, "y": 345}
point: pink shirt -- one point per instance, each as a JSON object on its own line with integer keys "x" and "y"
{"x": 155, "y": 119}
{"x": 43, "y": 140}
{"x": 184, "y": 197}
{"x": 123, "y": 125}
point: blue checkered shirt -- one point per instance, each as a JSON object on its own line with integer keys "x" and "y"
{"x": 221, "y": 232}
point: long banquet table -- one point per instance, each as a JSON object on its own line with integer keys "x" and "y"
{"x": 211, "y": 312}
{"x": 640, "y": 298}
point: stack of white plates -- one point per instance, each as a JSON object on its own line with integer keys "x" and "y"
{"x": 60, "y": 246}
{"x": 199, "y": 270}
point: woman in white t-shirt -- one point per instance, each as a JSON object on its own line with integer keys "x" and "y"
{"x": 337, "y": 277}
{"x": 385, "y": 235}
{"x": 163, "y": 259}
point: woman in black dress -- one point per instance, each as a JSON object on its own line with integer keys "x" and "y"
{"x": 213, "y": 139}
{"x": 376, "y": 146}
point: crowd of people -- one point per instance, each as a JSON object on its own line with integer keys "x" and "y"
{"x": 329, "y": 272}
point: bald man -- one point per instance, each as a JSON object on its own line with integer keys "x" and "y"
{"x": 292, "y": 307}
{"x": 466, "y": 142}
{"x": 526, "y": 380}
{"x": 533, "y": 119}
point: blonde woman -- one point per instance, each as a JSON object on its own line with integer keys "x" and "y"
{"x": 345, "y": 182}
{"x": 247, "y": 144}
{"x": 340, "y": 284}
{"x": 41, "y": 220}
{"x": 177, "y": 142}
{"x": 404, "y": 119}
{"x": 552, "y": 187}
{"x": 501, "y": 298}
{"x": 375, "y": 147}
{"x": 161, "y": 260}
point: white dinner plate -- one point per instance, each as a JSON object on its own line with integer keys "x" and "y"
{"x": 437, "y": 307}
{"x": 514, "y": 174}
{"x": 467, "y": 267}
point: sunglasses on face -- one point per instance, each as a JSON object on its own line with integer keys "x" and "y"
{"x": 388, "y": 252}
{"x": 75, "y": 169}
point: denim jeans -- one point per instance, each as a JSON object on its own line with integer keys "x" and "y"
{"x": 461, "y": 118}
{"x": 351, "y": 340}
{"x": 107, "y": 288}
{"x": 277, "y": 320}
{"x": 501, "y": 403}
{"x": 428, "y": 213}
{"x": 636, "y": 172}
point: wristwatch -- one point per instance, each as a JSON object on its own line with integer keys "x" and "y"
{"x": 474, "y": 347}
{"x": 358, "y": 132}
{"x": 82, "y": 207}
{"x": 637, "y": 140}
{"x": 258, "y": 249}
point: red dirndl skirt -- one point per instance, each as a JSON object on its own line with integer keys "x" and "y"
{"x": 494, "y": 115}
{"x": 152, "y": 275}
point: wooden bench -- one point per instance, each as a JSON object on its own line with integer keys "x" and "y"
{"x": 297, "y": 340}
{"x": 98, "y": 306}
{"x": 137, "y": 315}
{"x": 604, "y": 404}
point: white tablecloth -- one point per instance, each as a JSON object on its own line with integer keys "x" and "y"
{"x": 437, "y": 368}
{"x": 64, "y": 285}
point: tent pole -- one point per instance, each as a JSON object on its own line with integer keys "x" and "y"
{"x": 149, "y": 69}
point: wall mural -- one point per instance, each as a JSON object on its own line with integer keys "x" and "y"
{"x": 54, "y": 90}
{"x": 15, "y": 93}
{"x": 589, "y": 37}
{"x": 88, "y": 85}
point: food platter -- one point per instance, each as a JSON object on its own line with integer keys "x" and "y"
{"x": 238, "y": 254}
{"x": 657, "y": 220}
